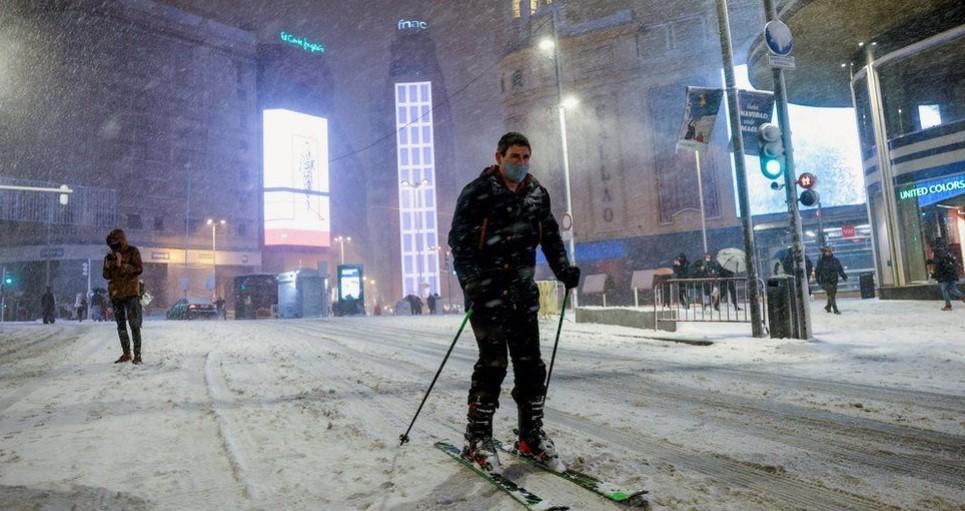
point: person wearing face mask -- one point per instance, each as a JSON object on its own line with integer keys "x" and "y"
{"x": 122, "y": 266}
{"x": 499, "y": 220}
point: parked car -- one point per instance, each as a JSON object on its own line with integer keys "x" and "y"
{"x": 193, "y": 307}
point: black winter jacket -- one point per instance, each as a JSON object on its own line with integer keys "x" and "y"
{"x": 946, "y": 268}
{"x": 828, "y": 270}
{"x": 494, "y": 236}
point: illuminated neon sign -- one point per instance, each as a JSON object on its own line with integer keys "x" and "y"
{"x": 412, "y": 24}
{"x": 934, "y": 190}
{"x": 305, "y": 44}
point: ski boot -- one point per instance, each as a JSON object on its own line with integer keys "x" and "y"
{"x": 537, "y": 444}
{"x": 479, "y": 447}
{"x": 482, "y": 452}
{"x": 532, "y": 441}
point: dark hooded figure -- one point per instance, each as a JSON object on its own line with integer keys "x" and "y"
{"x": 122, "y": 266}
{"x": 681, "y": 270}
{"x": 47, "y": 303}
{"x": 827, "y": 273}
{"x": 500, "y": 219}
{"x": 945, "y": 272}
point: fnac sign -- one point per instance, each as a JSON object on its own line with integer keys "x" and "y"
{"x": 412, "y": 25}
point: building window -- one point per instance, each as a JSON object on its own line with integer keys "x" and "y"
{"x": 517, "y": 10}
{"x": 134, "y": 221}
{"x": 159, "y": 223}
{"x": 928, "y": 116}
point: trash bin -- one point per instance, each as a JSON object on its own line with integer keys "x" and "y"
{"x": 867, "y": 284}
{"x": 779, "y": 307}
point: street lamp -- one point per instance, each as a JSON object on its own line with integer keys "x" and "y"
{"x": 416, "y": 188}
{"x": 214, "y": 251}
{"x": 551, "y": 45}
{"x": 341, "y": 240}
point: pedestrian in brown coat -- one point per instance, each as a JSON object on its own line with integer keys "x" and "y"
{"x": 122, "y": 267}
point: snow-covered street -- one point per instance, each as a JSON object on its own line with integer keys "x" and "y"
{"x": 306, "y": 414}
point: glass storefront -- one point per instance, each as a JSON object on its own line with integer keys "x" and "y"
{"x": 917, "y": 99}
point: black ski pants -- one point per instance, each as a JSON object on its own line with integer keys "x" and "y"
{"x": 128, "y": 310}
{"x": 502, "y": 333}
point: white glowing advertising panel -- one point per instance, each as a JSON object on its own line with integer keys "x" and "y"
{"x": 296, "y": 179}
{"x": 417, "y": 188}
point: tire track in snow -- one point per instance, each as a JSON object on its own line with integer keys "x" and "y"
{"x": 13, "y": 346}
{"x": 48, "y": 375}
{"x": 221, "y": 398}
{"x": 839, "y": 437}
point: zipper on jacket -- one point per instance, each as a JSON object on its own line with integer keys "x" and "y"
{"x": 482, "y": 233}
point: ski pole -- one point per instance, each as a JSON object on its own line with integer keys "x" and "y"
{"x": 549, "y": 373}
{"x": 403, "y": 438}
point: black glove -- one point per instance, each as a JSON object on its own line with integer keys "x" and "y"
{"x": 473, "y": 290}
{"x": 570, "y": 277}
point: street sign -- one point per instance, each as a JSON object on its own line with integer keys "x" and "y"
{"x": 807, "y": 180}
{"x": 847, "y": 231}
{"x": 778, "y": 38}
{"x": 780, "y": 62}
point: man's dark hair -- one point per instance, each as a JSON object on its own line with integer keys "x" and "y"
{"x": 510, "y": 139}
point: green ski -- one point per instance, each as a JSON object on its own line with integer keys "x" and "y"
{"x": 602, "y": 488}
{"x": 518, "y": 493}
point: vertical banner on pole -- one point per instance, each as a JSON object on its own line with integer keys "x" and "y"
{"x": 700, "y": 115}
{"x": 756, "y": 108}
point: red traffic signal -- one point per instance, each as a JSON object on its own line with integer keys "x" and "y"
{"x": 807, "y": 180}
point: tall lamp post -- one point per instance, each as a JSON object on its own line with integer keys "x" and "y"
{"x": 551, "y": 45}
{"x": 214, "y": 252}
{"x": 420, "y": 235}
{"x": 341, "y": 240}
{"x": 375, "y": 294}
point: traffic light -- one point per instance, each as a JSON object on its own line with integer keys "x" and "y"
{"x": 809, "y": 198}
{"x": 770, "y": 148}
{"x": 8, "y": 279}
{"x": 86, "y": 269}
{"x": 807, "y": 180}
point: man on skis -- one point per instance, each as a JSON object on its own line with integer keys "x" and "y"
{"x": 500, "y": 219}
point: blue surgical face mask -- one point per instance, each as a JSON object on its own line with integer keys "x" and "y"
{"x": 514, "y": 172}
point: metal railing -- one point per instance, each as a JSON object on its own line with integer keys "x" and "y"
{"x": 88, "y": 205}
{"x": 703, "y": 300}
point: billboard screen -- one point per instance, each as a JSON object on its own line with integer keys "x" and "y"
{"x": 296, "y": 179}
